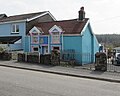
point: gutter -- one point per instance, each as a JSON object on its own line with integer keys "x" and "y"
{"x": 13, "y": 21}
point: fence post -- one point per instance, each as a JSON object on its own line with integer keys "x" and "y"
{"x": 25, "y": 56}
{"x": 39, "y": 57}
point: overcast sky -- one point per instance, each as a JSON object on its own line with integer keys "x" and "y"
{"x": 104, "y": 14}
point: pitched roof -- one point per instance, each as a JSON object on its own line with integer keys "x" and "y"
{"x": 21, "y": 17}
{"x": 68, "y": 26}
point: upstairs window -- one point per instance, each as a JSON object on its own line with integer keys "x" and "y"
{"x": 15, "y": 28}
{"x": 35, "y": 39}
{"x": 55, "y": 37}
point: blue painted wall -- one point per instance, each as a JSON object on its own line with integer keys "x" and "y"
{"x": 89, "y": 46}
{"x": 27, "y": 44}
{"x": 17, "y": 46}
{"x": 5, "y": 30}
{"x": 74, "y": 43}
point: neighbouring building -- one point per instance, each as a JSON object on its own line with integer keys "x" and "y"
{"x": 13, "y": 29}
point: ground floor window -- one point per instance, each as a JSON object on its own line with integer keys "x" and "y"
{"x": 35, "y": 49}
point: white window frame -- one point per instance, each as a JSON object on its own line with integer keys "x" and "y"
{"x": 33, "y": 39}
{"x": 14, "y": 30}
{"x": 55, "y": 38}
{"x": 35, "y": 47}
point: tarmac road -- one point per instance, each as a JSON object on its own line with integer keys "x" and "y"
{"x": 19, "y": 82}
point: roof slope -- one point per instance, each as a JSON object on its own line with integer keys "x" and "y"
{"x": 68, "y": 26}
{"x": 10, "y": 39}
{"x": 21, "y": 17}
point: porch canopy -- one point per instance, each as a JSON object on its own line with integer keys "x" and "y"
{"x": 9, "y": 39}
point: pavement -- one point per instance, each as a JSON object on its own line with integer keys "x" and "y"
{"x": 77, "y": 71}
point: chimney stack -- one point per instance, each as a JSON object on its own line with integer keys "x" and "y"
{"x": 81, "y": 14}
{"x": 2, "y": 16}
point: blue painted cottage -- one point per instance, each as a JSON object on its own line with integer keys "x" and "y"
{"x": 13, "y": 29}
{"x": 75, "y": 35}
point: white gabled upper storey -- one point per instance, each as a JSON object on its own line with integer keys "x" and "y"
{"x": 55, "y": 28}
{"x": 35, "y": 30}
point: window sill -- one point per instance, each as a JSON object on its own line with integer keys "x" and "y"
{"x": 14, "y": 32}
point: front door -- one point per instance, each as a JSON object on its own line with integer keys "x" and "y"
{"x": 45, "y": 48}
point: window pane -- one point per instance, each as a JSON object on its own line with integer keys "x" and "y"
{"x": 13, "y": 28}
{"x": 41, "y": 40}
{"x": 17, "y": 28}
{"x": 55, "y": 37}
{"x": 35, "y": 39}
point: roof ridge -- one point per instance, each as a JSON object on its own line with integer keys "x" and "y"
{"x": 56, "y": 21}
{"x": 69, "y": 20}
{"x": 28, "y": 13}
{"x": 59, "y": 21}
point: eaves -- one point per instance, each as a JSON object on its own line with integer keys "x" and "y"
{"x": 17, "y": 21}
